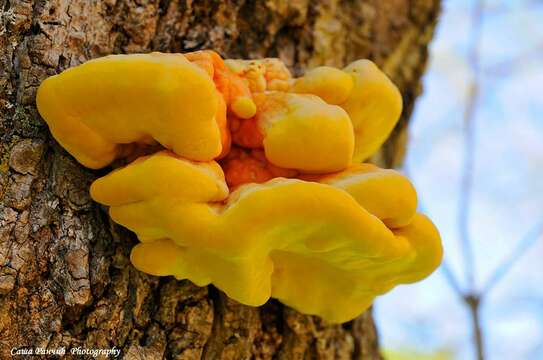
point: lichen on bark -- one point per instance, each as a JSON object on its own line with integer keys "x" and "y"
{"x": 65, "y": 275}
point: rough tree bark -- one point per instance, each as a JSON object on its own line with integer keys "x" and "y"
{"x": 65, "y": 277}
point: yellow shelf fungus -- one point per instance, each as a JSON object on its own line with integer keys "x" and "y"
{"x": 288, "y": 211}
{"x": 313, "y": 245}
{"x": 119, "y": 99}
{"x": 321, "y": 134}
{"x": 372, "y": 101}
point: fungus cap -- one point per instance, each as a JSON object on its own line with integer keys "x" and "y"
{"x": 374, "y": 105}
{"x": 305, "y": 133}
{"x": 313, "y": 245}
{"x": 295, "y": 217}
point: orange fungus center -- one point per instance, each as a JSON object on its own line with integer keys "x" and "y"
{"x": 245, "y": 161}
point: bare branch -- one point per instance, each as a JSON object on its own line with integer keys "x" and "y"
{"x": 451, "y": 278}
{"x": 464, "y": 205}
{"x": 473, "y": 302}
{"x": 529, "y": 240}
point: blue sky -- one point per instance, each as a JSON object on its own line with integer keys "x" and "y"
{"x": 507, "y": 190}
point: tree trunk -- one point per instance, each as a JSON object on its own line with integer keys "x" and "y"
{"x": 65, "y": 275}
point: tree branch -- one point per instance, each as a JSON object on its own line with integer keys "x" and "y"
{"x": 474, "y": 301}
{"x": 451, "y": 278}
{"x": 526, "y": 242}
{"x": 464, "y": 206}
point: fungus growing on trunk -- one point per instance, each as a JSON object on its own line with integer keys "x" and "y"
{"x": 288, "y": 211}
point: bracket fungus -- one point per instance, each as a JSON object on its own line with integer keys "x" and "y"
{"x": 254, "y": 182}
